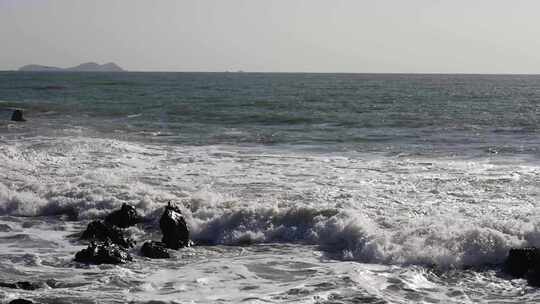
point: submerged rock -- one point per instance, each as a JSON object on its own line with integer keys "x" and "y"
{"x": 99, "y": 231}
{"x": 105, "y": 253}
{"x": 22, "y": 285}
{"x": 5, "y": 228}
{"x": 524, "y": 263}
{"x": 21, "y": 301}
{"x": 127, "y": 216}
{"x": 17, "y": 115}
{"x": 174, "y": 228}
{"x": 155, "y": 250}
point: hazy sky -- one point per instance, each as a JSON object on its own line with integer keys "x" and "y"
{"x": 467, "y": 36}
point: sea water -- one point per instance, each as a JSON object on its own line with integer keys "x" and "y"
{"x": 297, "y": 188}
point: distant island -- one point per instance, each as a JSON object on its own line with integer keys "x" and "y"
{"x": 84, "y": 67}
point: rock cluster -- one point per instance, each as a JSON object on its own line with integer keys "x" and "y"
{"x": 175, "y": 234}
{"x": 109, "y": 245}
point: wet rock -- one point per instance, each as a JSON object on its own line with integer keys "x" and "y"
{"x": 105, "y": 253}
{"x": 155, "y": 250}
{"x": 21, "y": 301}
{"x": 17, "y": 115}
{"x": 99, "y": 231}
{"x": 520, "y": 261}
{"x": 5, "y": 228}
{"x": 127, "y": 216}
{"x": 22, "y": 285}
{"x": 174, "y": 228}
{"x": 524, "y": 263}
{"x": 533, "y": 276}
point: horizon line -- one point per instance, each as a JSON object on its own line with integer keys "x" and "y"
{"x": 284, "y": 72}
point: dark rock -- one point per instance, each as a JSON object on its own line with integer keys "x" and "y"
{"x": 155, "y": 250}
{"x": 125, "y": 217}
{"x": 17, "y": 115}
{"x": 28, "y": 285}
{"x": 533, "y": 276}
{"x": 5, "y": 228}
{"x": 524, "y": 263}
{"x": 174, "y": 228}
{"x": 520, "y": 261}
{"x": 105, "y": 253}
{"x": 22, "y": 285}
{"x": 9, "y": 285}
{"x": 21, "y": 301}
{"x": 100, "y": 231}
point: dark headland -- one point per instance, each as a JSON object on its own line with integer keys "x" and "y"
{"x": 84, "y": 67}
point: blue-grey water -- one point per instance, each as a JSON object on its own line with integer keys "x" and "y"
{"x": 309, "y": 188}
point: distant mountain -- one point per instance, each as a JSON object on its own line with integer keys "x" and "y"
{"x": 41, "y": 68}
{"x": 94, "y": 67}
{"x": 84, "y": 67}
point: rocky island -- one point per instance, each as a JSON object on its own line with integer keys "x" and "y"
{"x": 84, "y": 67}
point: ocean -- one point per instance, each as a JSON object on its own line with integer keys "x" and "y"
{"x": 297, "y": 188}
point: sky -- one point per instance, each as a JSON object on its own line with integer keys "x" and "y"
{"x": 351, "y": 36}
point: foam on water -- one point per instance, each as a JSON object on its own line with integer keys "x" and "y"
{"x": 447, "y": 212}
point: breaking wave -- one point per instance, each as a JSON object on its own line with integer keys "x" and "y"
{"x": 83, "y": 179}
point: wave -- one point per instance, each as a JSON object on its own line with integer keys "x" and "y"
{"x": 341, "y": 234}
{"x": 349, "y": 235}
{"x": 86, "y": 178}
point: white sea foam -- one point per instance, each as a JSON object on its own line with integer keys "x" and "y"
{"x": 446, "y": 212}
